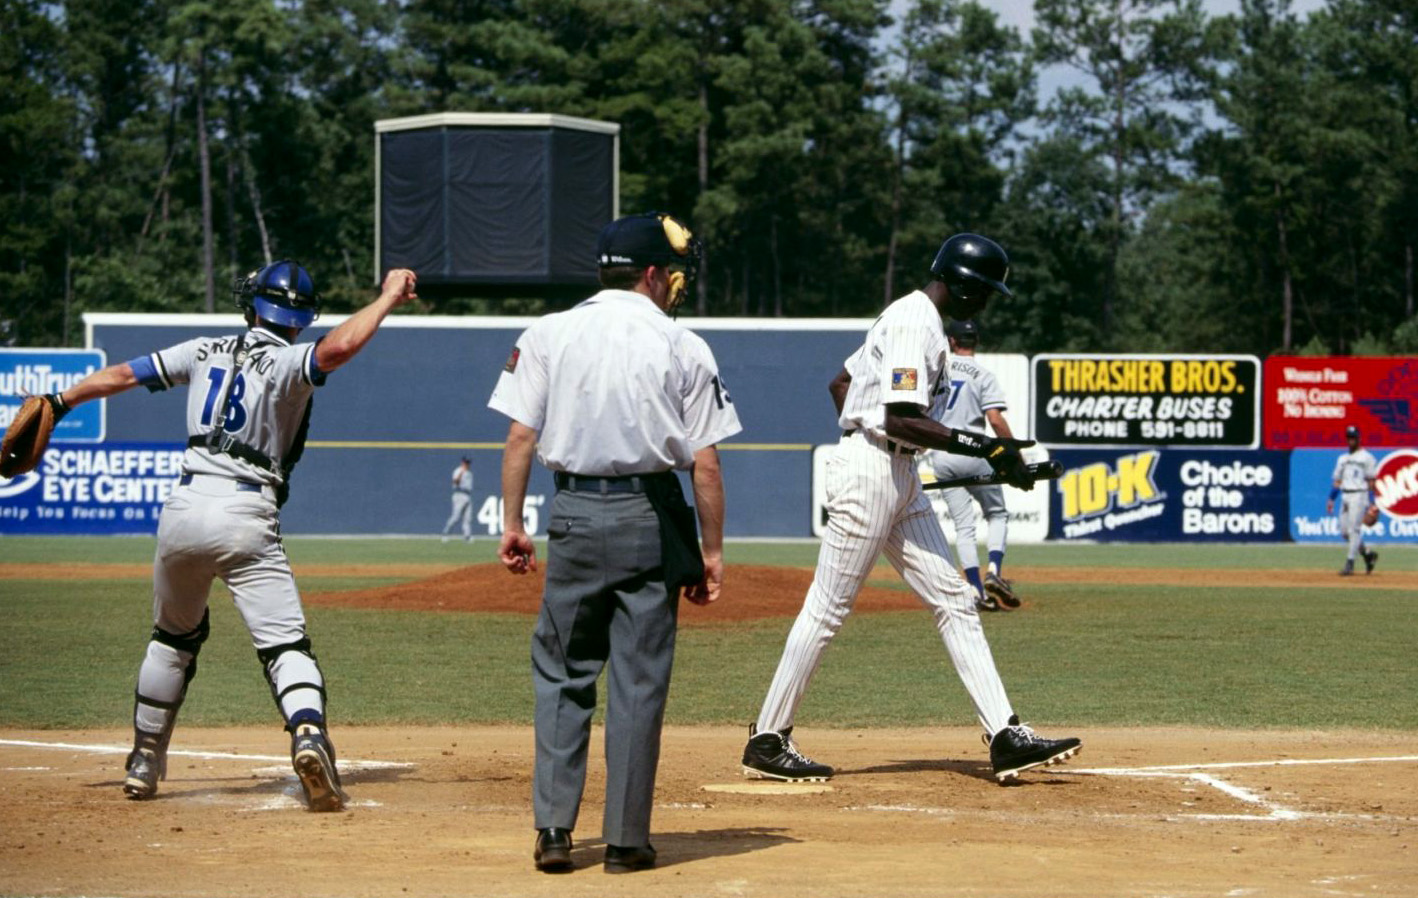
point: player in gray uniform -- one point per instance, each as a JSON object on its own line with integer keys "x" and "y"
{"x": 248, "y": 408}
{"x": 875, "y": 505}
{"x": 462, "y": 500}
{"x": 969, "y": 396}
{"x": 1354, "y": 475}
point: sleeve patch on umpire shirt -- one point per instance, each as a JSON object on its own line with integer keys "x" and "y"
{"x": 511, "y": 366}
{"x": 903, "y": 379}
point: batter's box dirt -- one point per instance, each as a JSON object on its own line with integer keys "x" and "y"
{"x": 441, "y": 811}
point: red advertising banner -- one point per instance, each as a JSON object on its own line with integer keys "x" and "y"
{"x": 1310, "y": 400}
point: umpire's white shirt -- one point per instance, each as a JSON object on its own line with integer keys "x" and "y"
{"x": 614, "y": 386}
{"x": 903, "y": 359}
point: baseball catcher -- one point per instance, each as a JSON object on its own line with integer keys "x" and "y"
{"x": 248, "y": 410}
{"x": 28, "y": 435}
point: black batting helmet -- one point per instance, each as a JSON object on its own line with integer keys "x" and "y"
{"x": 970, "y": 263}
{"x": 966, "y": 333}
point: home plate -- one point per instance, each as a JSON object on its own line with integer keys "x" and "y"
{"x": 768, "y": 787}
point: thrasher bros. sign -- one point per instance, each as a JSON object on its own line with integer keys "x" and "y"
{"x": 1146, "y": 400}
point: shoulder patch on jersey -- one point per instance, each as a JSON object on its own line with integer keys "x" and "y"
{"x": 511, "y": 366}
{"x": 903, "y": 379}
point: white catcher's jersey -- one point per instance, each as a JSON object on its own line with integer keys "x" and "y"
{"x": 1354, "y": 470}
{"x": 615, "y": 386}
{"x": 266, "y": 401}
{"x": 904, "y": 359}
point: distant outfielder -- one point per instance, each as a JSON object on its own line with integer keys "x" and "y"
{"x": 248, "y": 410}
{"x": 974, "y": 396}
{"x": 462, "y": 500}
{"x": 875, "y": 504}
{"x": 1354, "y": 475}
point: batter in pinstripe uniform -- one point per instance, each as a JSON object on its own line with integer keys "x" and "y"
{"x": 875, "y": 504}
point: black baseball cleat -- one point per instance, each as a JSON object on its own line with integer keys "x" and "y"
{"x": 1017, "y": 748}
{"x": 553, "y": 851}
{"x": 986, "y": 604}
{"x": 623, "y": 859}
{"x": 774, "y": 756}
{"x": 145, "y": 768}
{"x": 313, "y": 757}
{"x": 1348, "y": 569}
{"x": 1370, "y": 559}
{"x": 1001, "y": 590}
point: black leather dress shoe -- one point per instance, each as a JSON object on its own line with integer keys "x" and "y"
{"x": 553, "y": 852}
{"x": 621, "y": 859}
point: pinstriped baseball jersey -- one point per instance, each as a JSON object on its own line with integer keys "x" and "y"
{"x": 265, "y": 402}
{"x": 875, "y": 505}
{"x": 904, "y": 359}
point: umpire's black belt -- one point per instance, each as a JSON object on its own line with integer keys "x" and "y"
{"x": 627, "y": 483}
{"x": 891, "y": 445}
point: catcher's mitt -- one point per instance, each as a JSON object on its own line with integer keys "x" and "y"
{"x": 28, "y": 434}
{"x": 1371, "y": 516}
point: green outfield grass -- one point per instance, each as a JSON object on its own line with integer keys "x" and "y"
{"x": 1080, "y": 655}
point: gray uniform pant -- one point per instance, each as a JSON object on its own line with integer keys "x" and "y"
{"x": 604, "y": 600}
{"x": 1351, "y": 519}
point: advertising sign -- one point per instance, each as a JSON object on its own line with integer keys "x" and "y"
{"x": 34, "y": 372}
{"x": 1395, "y": 493}
{"x": 1310, "y": 401}
{"x": 1146, "y": 400}
{"x": 77, "y": 489}
{"x": 1155, "y": 495}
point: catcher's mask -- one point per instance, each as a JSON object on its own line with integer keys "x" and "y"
{"x": 972, "y": 267}
{"x": 654, "y": 238}
{"x": 282, "y": 293}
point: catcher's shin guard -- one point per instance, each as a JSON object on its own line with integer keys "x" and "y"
{"x": 155, "y": 718}
{"x": 297, "y": 685}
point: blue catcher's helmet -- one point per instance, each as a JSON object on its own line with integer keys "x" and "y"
{"x": 282, "y": 293}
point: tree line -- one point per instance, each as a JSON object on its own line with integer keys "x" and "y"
{"x": 1239, "y": 183}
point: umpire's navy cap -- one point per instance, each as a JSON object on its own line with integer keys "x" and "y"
{"x": 653, "y": 238}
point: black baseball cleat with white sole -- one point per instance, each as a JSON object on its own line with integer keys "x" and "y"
{"x": 1001, "y": 590}
{"x": 774, "y": 756}
{"x": 145, "y": 768}
{"x": 314, "y": 760}
{"x": 1017, "y": 748}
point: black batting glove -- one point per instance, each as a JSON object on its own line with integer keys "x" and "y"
{"x": 1001, "y": 453}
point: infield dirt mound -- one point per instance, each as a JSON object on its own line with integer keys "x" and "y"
{"x": 754, "y": 592}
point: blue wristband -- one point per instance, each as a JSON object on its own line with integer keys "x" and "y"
{"x": 1334, "y": 494}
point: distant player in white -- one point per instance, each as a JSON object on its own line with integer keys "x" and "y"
{"x": 462, "y": 500}
{"x": 972, "y": 395}
{"x": 248, "y": 408}
{"x": 875, "y": 504}
{"x": 1354, "y": 475}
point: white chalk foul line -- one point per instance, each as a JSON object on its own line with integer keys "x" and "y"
{"x": 1274, "y": 810}
{"x": 208, "y": 755}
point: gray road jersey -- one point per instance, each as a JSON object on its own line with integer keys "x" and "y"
{"x": 1353, "y": 470}
{"x": 266, "y": 403}
{"x": 970, "y": 392}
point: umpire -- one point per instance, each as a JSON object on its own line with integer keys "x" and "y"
{"x": 613, "y": 396}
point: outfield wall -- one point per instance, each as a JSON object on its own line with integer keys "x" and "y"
{"x": 389, "y": 428}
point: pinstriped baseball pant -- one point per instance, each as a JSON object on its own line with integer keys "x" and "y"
{"x": 875, "y": 504}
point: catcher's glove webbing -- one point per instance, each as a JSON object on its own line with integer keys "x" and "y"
{"x": 28, "y": 434}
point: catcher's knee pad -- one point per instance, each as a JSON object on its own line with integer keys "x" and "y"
{"x": 290, "y": 668}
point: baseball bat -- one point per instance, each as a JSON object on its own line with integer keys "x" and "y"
{"x": 1039, "y": 470}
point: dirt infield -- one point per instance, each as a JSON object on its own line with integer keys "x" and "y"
{"x": 446, "y": 811}
{"x": 442, "y": 811}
